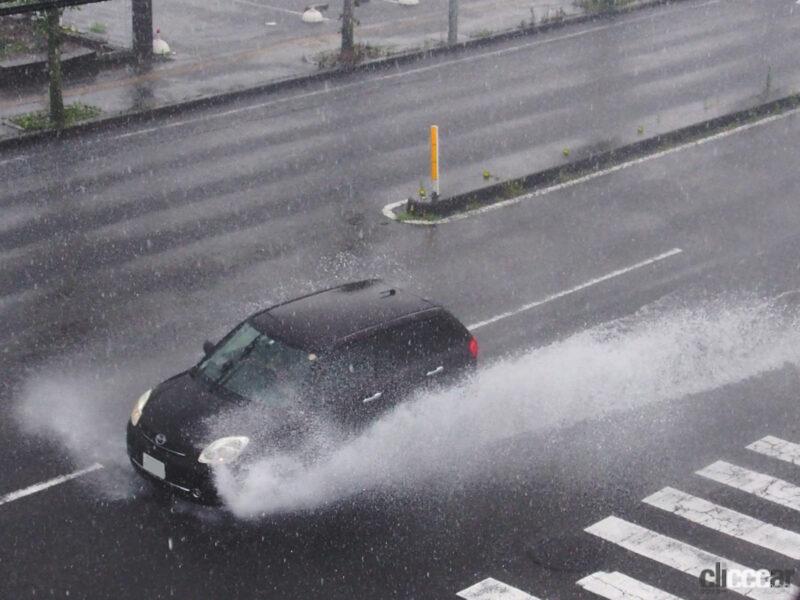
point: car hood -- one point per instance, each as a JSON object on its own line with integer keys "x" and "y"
{"x": 179, "y": 408}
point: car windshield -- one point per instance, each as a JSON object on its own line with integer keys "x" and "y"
{"x": 256, "y": 366}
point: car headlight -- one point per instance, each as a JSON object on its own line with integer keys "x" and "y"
{"x": 138, "y": 408}
{"x": 223, "y": 450}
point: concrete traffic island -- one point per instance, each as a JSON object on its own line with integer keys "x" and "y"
{"x": 424, "y": 211}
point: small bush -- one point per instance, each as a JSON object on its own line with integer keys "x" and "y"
{"x": 512, "y": 189}
{"x": 73, "y": 113}
{"x": 97, "y": 27}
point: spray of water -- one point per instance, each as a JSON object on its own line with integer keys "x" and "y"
{"x": 444, "y": 438}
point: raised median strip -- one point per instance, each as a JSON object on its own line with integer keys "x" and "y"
{"x": 287, "y": 83}
{"x": 513, "y": 191}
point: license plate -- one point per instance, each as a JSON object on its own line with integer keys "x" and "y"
{"x": 153, "y": 466}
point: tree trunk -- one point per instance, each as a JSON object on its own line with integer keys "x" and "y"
{"x": 54, "y": 67}
{"x": 452, "y": 22}
{"x": 347, "y": 32}
{"x": 142, "y": 29}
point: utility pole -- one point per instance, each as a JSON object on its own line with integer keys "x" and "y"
{"x": 53, "y": 23}
{"x": 142, "y": 27}
{"x": 347, "y": 32}
{"x": 452, "y": 22}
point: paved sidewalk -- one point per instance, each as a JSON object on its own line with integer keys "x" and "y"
{"x": 225, "y": 46}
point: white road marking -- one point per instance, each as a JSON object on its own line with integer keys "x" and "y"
{"x": 47, "y": 484}
{"x": 676, "y": 554}
{"x": 727, "y": 521}
{"x": 777, "y": 448}
{"x": 577, "y": 288}
{"x": 618, "y": 586}
{"x": 391, "y": 76}
{"x": 11, "y": 160}
{"x": 270, "y": 7}
{"x": 761, "y": 485}
{"x": 388, "y": 210}
{"x": 491, "y": 589}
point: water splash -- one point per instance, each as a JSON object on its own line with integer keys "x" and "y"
{"x": 444, "y": 438}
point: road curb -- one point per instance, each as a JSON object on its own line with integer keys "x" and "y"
{"x": 419, "y": 212}
{"x": 277, "y": 85}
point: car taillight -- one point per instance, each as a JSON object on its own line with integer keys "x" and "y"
{"x": 473, "y": 347}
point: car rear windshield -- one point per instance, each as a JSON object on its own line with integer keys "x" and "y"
{"x": 255, "y": 366}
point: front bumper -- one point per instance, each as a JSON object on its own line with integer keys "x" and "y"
{"x": 183, "y": 474}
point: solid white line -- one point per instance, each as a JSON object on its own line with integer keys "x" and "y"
{"x": 491, "y": 589}
{"x": 391, "y": 76}
{"x": 761, "y": 485}
{"x": 388, "y": 210}
{"x": 676, "y": 554}
{"x": 777, "y": 448}
{"x": 577, "y": 288}
{"x": 727, "y": 521}
{"x": 618, "y": 586}
{"x": 47, "y": 484}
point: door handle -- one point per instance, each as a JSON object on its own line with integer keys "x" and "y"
{"x": 372, "y": 398}
{"x": 436, "y": 371}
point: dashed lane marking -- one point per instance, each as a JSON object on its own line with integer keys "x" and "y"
{"x": 48, "y": 484}
{"x": 577, "y": 288}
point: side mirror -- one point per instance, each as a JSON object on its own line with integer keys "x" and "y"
{"x": 208, "y": 347}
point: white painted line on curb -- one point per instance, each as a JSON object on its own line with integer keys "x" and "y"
{"x": 391, "y": 76}
{"x": 678, "y": 555}
{"x": 388, "y": 210}
{"x": 491, "y": 589}
{"x": 777, "y": 448}
{"x": 577, "y": 288}
{"x": 47, "y": 484}
{"x": 727, "y": 521}
{"x": 618, "y": 586}
{"x": 760, "y": 485}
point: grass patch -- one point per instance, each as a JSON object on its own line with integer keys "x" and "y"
{"x": 97, "y": 27}
{"x": 480, "y": 34}
{"x": 40, "y": 119}
{"x": 405, "y": 216}
{"x": 330, "y": 59}
{"x": 9, "y": 47}
{"x": 602, "y": 6}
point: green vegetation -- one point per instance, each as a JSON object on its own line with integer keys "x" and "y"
{"x": 98, "y": 27}
{"x": 602, "y": 6}
{"x": 480, "y": 34}
{"x": 9, "y": 47}
{"x": 565, "y": 152}
{"x": 512, "y": 189}
{"x": 330, "y": 59}
{"x": 73, "y": 113}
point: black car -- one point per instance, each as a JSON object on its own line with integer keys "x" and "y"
{"x": 346, "y": 354}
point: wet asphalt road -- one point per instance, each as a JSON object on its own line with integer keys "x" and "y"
{"x": 112, "y": 281}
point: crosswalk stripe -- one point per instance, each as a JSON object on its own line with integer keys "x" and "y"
{"x": 759, "y": 484}
{"x": 777, "y": 448}
{"x": 618, "y": 586}
{"x": 676, "y": 554}
{"x": 491, "y": 589}
{"x": 727, "y": 521}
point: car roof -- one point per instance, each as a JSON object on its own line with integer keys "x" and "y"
{"x": 318, "y": 321}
